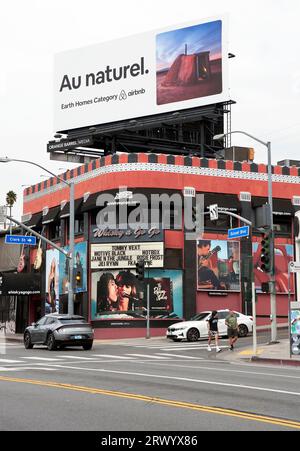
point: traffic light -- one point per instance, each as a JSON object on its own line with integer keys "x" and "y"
{"x": 265, "y": 256}
{"x": 78, "y": 278}
{"x": 140, "y": 269}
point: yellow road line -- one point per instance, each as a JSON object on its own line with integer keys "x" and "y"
{"x": 184, "y": 405}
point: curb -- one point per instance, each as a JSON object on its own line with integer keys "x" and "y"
{"x": 270, "y": 361}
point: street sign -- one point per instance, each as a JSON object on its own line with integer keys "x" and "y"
{"x": 294, "y": 266}
{"x": 3, "y": 212}
{"x": 240, "y": 232}
{"x": 213, "y": 211}
{"x": 20, "y": 239}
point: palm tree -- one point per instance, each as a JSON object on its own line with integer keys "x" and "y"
{"x": 11, "y": 198}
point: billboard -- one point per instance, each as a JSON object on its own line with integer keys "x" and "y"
{"x": 218, "y": 265}
{"x": 152, "y": 73}
{"x": 52, "y": 281}
{"x": 126, "y": 255}
{"x": 115, "y": 295}
{"x": 80, "y": 269}
{"x": 284, "y": 253}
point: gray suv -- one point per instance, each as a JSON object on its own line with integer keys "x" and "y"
{"x": 59, "y": 330}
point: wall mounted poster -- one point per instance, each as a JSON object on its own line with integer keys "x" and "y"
{"x": 116, "y": 295}
{"x": 52, "y": 281}
{"x": 218, "y": 265}
{"x": 80, "y": 269}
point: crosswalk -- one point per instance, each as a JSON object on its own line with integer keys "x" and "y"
{"x": 24, "y": 363}
{"x": 140, "y": 352}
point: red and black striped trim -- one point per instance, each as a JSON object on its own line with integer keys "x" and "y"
{"x": 176, "y": 160}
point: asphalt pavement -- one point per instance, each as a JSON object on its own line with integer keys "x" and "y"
{"x": 146, "y": 385}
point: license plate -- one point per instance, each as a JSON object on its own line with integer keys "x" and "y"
{"x": 78, "y": 337}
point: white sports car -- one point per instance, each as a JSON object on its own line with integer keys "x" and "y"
{"x": 197, "y": 327}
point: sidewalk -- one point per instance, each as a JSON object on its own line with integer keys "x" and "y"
{"x": 273, "y": 354}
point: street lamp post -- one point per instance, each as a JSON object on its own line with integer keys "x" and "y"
{"x": 272, "y": 238}
{"x": 71, "y": 226}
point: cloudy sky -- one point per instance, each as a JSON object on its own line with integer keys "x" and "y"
{"x": 264, "y": 76}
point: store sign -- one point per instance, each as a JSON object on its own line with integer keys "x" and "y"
{"x": 152, "y": 73}
{"x": 106, "y": 235}
{"x": 126, "y": 255}
{"x": 68, "y": 144}
{"x": 20, "y": 284}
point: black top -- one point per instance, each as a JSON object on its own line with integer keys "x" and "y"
{"x": 213, "y": 324}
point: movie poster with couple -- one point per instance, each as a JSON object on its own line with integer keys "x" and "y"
{"x": 116, "y": 295}
{"x": 218, "y": 265}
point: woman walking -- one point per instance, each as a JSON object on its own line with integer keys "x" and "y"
{"x": 212, "y": 325}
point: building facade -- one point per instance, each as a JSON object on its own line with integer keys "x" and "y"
{"x": 184, "y": 275}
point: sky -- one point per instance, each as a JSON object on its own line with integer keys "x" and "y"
{"x": 264, "y": 78}
{"x": 201, "y": 38}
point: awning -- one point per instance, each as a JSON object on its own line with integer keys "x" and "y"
{"x": 35, "y": 220}
{"x": 51, "y": 215}
{"x": 280, "y": 206}
{"x": 65, "y": 212}
{"x": 90, "y": 203}
{"x": 228, "y": 202}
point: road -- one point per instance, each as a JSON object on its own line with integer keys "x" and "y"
{"x": 144, "y": 385}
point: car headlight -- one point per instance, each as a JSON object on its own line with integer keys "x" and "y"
{"x": 61, "y": 331}
{"x": 180, "y": 328}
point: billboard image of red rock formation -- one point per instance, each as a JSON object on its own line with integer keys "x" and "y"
{"x": 189, "y": 63}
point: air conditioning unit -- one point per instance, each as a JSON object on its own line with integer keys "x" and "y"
{"x": 245, "y": 197}
{"x": 237, "y": 153}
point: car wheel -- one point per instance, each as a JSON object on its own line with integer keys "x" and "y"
{"x": 243, "y": 330}
{"x": 88, "y": 347}
{"x": 51, "y": 345}
{"x": 193, "y": 334}
{"x": 27, "y": 341}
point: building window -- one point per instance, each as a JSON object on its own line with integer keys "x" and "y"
{"x": 54, "y": 230}
{"x": 79, "y": 225}
{"x": 282, "y": 225}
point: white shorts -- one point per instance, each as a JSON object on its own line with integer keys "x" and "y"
{"x": 213, "y": 333}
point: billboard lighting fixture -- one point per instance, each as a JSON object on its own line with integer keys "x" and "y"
{"x": 218, "y": 137}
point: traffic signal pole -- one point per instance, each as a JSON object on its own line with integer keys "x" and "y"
{"x": 140, "y": 274}
{"x": 273, "y": 311}
{"x": 249, "y": 223}
{"x": 148, "y": 311}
